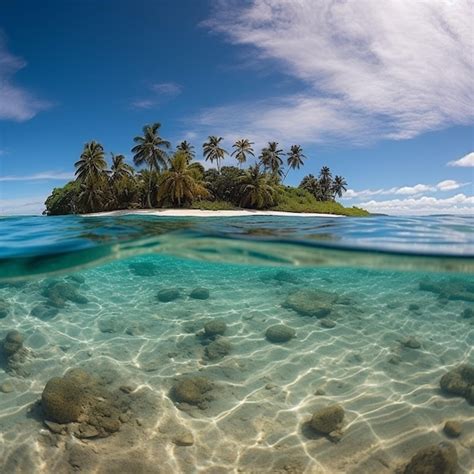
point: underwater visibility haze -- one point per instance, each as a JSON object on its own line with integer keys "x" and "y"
{"x": 255, "y": 345}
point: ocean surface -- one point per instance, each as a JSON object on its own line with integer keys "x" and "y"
{"x": 165, "y": 323}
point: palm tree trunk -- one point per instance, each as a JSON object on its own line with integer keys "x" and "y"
{"x": 286, "y": 174}
{"x": 149, "y": 189}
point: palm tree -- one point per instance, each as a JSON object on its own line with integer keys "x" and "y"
{"x": 187, "y": 148}
{"x": 150, "y": 151}
{"x": 256, "y": 189}
{"x": 123, "y": 187}
{"x": 119, "y": 169}
{"x": 212, "y": 150}
{"x": 91, "y": 165}
{"x": 295, "y": 159}
{"x": 325, "y": 183}
{"x": 181, "y": 183}
{"x": 92, "y": 196}
{"x": 242, "y": 148}
{"x": 311, "y": 184}
{"x": 271, "y": 158}
{"x": 339, "y": 186}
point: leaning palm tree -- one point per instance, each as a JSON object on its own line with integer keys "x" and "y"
{"x": 213, "y": 151}
{"x": 150, "y": 150}
{"x": 243, "y": 147}
{"x": 182, "y": 182}
{"x": 339, "y": 186}
{"x": 256, "y": 189}
{"x": 295, "y": 159}
{"x": 187, "y": 148}
{"x": 91, "y": 165}
{"x": 271, "y": 159}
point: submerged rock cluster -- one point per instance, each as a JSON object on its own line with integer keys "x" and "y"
{"x": 279, "y": 333}
{"x": 192, "y": 391}
{"x": 314, "y": 303}
{"x": 459, "y": 381}
{"x": 15, "y": 353}
{"x": 58, "y": 293}
{"x": 452, "y": 289}
{"x": 80, "y": 398}
{"x": 436, "y": 459}
{"x": 328, "y": 420}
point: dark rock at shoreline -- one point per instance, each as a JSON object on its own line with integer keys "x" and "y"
{"x": 191, "y": 390}
{"x": 315, "y": 303}
{"x": 217, "y": 349}
{"x": 199, "y": 293}
{"x": 327, "y": 420}
{"x": 436, "y": 459}
{"x": 217, "y": 327}
{"x": 168, "y": 294}
{"x": 145, "y": 269}
{"x": 279, "y": 333}
{"x": 459, "y": 381}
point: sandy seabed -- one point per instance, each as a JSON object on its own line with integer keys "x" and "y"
{"x": 255, "y": 418}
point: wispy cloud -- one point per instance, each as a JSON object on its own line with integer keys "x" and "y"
{"x": 368, "y": 73}
{"x": 446, "y": 185}
{"x": 466, "y": 161}
{"x": 159, "y": 93}
{"x": 16, "y": 103}
{"x": 423, "y": 205}
{"x": 44, "y": 176}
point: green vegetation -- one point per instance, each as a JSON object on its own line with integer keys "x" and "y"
{"x": 300, "y": 200}
{"x": 163, "y": 178}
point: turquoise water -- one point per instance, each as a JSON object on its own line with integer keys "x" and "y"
{"x": 381, "y": 309}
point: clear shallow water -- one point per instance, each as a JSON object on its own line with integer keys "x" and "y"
{"x": 383, "y": 281}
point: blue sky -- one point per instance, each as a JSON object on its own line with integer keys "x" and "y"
{"x": 384, "y": 97}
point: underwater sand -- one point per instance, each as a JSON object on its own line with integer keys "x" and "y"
{"x": 264, "y": 393}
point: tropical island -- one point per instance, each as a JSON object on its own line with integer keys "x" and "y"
{"x": 175, "y": 179}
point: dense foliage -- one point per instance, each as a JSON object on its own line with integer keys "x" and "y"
{"x": 163, "y": 178}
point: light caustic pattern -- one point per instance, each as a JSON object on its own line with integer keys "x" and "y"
{"x": 255, "y": 418}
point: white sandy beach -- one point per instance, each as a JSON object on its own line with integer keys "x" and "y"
{"x": 206, "y": 213}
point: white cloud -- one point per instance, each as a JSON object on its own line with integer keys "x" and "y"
{"x": 44, "y": 176}
{"x": 466, "y": 161}
{"x": 446, "y": 185}
{"x": 16, "y": 103}
{"x": 22, "y": 206}
{"x": 449, "y": 185}
{"x": 417, "y": 189}
{"x": 423, "y": 205}
{"x": 369, "y": 73}
{"x": 159, "y": 93}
